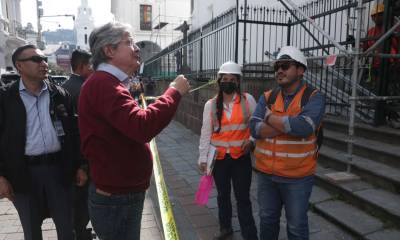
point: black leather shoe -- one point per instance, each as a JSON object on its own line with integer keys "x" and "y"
{"x": 223, "y": 234}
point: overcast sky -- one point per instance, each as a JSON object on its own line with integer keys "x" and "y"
{"x": 100, "y": 12}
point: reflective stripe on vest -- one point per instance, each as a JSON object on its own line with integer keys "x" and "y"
{"x": 286, "y": 155}
{"x": 287, "y": 142}
{"x": 234, "y": 131}
{"x": 232, "y": 127}
{"x": 227, "y": 144}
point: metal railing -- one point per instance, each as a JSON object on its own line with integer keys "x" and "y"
{"x": 253, "y": 35}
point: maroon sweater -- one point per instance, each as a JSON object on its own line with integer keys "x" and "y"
{"x": 115, "y": 132}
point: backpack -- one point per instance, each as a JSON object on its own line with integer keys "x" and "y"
{"x": 319, "y": 132}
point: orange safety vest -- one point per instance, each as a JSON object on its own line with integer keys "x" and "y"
{"x": 394, "y": 47}
{"x": 234, "y": 131}
{"x": 285, "y": 155}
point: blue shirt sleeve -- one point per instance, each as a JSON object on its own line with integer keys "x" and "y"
{"x": 258, "y": 117}
{"x": 309, "y": 118}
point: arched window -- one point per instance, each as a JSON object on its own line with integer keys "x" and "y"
{"x": 85, "y": 38}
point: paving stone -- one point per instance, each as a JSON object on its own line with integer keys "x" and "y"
{"x": 193, "y": 210}
{"x": 148, "y": 224}
{"x": 184, "y": 191}
{"x": 207, "y": 233}
{"x": 15, "y": 236}
{"x": 328, "y": 236}
{"x": 205, "y": 220}
{"x": 186, "y": 200}
{"x": 212, "y": 203}
{"x": 177, "y": 184}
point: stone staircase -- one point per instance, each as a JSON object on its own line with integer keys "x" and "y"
{"x": 368, "y": 208}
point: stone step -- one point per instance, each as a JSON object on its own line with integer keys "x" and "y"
{"x": 377, "y": 151}
{"x": 352, "y": 219}
{"x": 375, "y": 173}
{"x": 379, "y": 202}
{"x": 343, "y": 214}
{"x": 382, "y": 133}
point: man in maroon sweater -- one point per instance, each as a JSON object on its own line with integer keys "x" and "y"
{"x": 115, "y": 133}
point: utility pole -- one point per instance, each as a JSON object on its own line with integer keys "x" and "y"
{"x": 39, "y": 26}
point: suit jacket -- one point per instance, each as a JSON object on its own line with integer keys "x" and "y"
{"x": 73, "y": 86}
{"x": 13, "y": 164}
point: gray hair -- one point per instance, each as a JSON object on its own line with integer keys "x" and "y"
{"x": 108, "y": 34}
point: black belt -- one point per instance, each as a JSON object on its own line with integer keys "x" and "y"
{"x": 44, "y": 159}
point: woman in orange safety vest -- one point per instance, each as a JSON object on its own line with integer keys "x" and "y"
{"x": 225, "y": 127}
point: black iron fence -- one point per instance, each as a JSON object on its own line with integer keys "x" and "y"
{"x": 253, "y": 35}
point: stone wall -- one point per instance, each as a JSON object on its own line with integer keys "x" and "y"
{"x": 190, "y": 110}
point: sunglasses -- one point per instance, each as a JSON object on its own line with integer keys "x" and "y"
{"x": 36, "y": 59}
{"x": 284, "y": 65}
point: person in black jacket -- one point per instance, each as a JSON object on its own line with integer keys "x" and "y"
{"x": 39, "y": 151}
{"x": 81, "y": 69}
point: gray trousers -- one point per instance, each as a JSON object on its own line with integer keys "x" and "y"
{"x": 47, "y": 193}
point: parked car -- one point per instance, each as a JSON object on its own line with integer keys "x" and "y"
{"x": 58, "y": 79}
{"x": 7, "y": 78}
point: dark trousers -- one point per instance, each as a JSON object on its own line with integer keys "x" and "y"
{"x": 238, "y": 171}
{"x": 81, "y": 213}
{"x": 47, "y": 191}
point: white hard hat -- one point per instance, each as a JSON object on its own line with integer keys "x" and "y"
{"x": 230, "y": 68}
{"x": 290, "y": 52}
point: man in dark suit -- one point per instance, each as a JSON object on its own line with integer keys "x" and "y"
{"x": 81, "y": 69}
{"x": 39, "y": 155}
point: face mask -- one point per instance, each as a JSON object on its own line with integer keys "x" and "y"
{"x": 227, "y": 87}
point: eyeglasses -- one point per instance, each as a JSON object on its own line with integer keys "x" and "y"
{"x": 36, "y": 59}
{"x": 130, "y": 43}
{"x": 285, "y": 65}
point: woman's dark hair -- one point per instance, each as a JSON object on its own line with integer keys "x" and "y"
{"x": 220, "y": 99}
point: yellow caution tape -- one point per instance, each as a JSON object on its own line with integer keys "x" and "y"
{"x": 167, "y": 216}
{"x": 203, "y": 86}
{"x": 190, "y": 91}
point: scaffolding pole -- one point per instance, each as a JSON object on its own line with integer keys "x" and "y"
{"x": 334, "y": 42}
{"x": 350, "y": 140}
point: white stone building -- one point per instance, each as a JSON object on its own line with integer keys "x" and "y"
{"x": 83, "y": 25}
{"x": 10, "y": 31}
{"x": 205, "y": 10}
{"x": 153, "y": 21}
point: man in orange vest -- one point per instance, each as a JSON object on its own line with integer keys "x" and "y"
{"x": 286, "y": 147}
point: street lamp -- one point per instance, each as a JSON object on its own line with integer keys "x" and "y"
{"x": 39, "y": 14}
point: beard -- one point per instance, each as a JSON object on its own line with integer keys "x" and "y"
{"x": 288, "y": 83}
